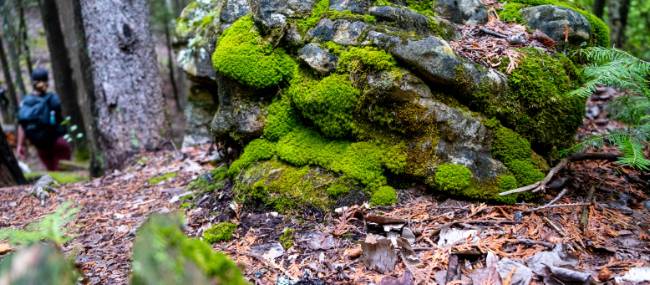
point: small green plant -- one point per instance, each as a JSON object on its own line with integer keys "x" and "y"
{"x": 219, "y": 232}
{"x": 287, "y": 237}
{"x": 49, "y": 228}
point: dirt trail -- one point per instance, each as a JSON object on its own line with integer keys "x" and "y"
{"x": 112, "y": 208}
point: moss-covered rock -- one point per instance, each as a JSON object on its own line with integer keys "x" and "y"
{"x": 287, "y": 238}
{"x": 378, "y": 96}
{"x": 599, "y": 34}
{"x": 243, "y": 55}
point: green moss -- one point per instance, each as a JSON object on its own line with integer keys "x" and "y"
{"x": 511, "y": 12}
{"x": 384, "y": 196}
{"x": 280, "y": 120}
{"x": 600, "y": 31}
{"x": 509, "y": 145}
{"x": 536, "y": 103}
{"x": 215, "y": 181}
{"x": 424, "y": 7}
{"x": 259, "y": 149}
{"x": 317, "y": 13}
{"x": 348, "y": 15}
{"x": 337, "y": 190}
{"x": 243, "y": 55}
{"x": 453, "y": 177}
{"x": 507, "y": 182}
{"x": 219, "y": 232}
{"x": 287, "y": 237}
{"x": 525, "y": 172}
{"x": 365, "y": 58}
{"x": 162, "y": 254}
{"x": 283, "y": 187}
{"x": 329, "y": 103}
{"x": 161, "y": 178}
{"x": 61, "y": 177}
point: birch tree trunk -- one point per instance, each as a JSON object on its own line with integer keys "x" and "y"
{"x": 123, "y": 106}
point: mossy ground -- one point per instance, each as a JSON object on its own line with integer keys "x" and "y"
{"x": 61, "y": 177}
{"x": 287, "y": 238}
{"x": 162, "y": 178}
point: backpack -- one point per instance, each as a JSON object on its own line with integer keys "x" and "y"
{"x": 38, "y": 119}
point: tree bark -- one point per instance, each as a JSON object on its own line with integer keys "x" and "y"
{"x": 14, "y": 49}
{"x": 123, "y": 105}
{"x": 61, "y": 63}
{"x": 24, "y": 37}
{"x": 11, "y": 89}
{"x": 599, "y": 8}
{"x": 617, "y": 12}
{"x": 10, "y": 173}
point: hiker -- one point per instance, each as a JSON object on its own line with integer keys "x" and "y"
{"x": 40, "y": 120}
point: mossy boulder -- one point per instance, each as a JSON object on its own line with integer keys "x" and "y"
{"x": 328, "y": 99}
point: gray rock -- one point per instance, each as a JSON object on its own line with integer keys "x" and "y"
{"x": 356, "y": 6}
{"x": 463, "y": 136}
{"x": 554, "y": 20}
{"x": 270, "y": 16}
{"x": 324, "y": 31}
{"x": 404, "y": 18}
{"x": 382, "y": 40}
{"x": 241, "y": 113}
{"x": 233, "y": 10}
{"x": 462, "y": 11}
{"x": 318, "y": 58}
{"x": 198, "y": 114}
{"x": 349, "y": 33}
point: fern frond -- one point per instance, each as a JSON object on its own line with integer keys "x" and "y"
{"x": 633, "y": 155}
{"x": 50, "y": 227}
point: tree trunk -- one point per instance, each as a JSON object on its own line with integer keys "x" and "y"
{"x": 24, "y": 37}
{"x": 170, "y": 62}
{"x": 61, "y": 64}
{"x": 123, "y": 105}
{"x": 13, "y": 47}
{"x": 11, "y": 89}
{"x": 10, "y": 173}
{"x": 599, "y": 8}
{"x": 617, "y": 12}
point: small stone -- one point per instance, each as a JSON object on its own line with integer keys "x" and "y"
{"x": 318, "y": 58}
{"x": 353, "y": 253}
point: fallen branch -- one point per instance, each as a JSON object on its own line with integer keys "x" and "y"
{"x": 549, "y": 204}
{"x": 543, "y": 185}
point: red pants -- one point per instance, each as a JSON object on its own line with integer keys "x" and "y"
{"x": 52, "y": 154}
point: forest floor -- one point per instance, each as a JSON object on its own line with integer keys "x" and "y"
{"x": 599, "y": 230}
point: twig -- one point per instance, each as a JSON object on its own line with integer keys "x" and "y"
{"x": 531, "y": 242}
{"x": 273, "y": 265}
{"x": 555, "y": 227}
{"x": 557, "y": 198}
{"x": 584, "y": 218}
{"x": 493, "y": 33}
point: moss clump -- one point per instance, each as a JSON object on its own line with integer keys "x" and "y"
{"x": 509, "y": 145}
{"x": 369, "y": 58}
{"x": 162, "y": 254}
{"x": 337, "y": 190}
{"x": 329, "y": 104}
{"x": 525, "y": 172}
{"x": 537, "y": 104}
{"x": 453, "y": 177}
{"x": 281, "y": 119}
{"x": 287, "y": 237}
{"x": 161, "y": 178}
{"x": 361, "y": 161}
{"x": 317, "y": 13}
{"x": 219, "y": 232}
{"x": 210, "y": 182}
{"x": 256, "y": 150}
{"x": 384, "y": 196}
{"x": 61, "y": 177}
{"x": 600, "y": 31}
{"x": 423, "y": 7}
{"x": 243, "y": 55}
{"x": 283, "y": 187}
{"x": 507, "y": 182}
{"x": 511, "y": 12}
